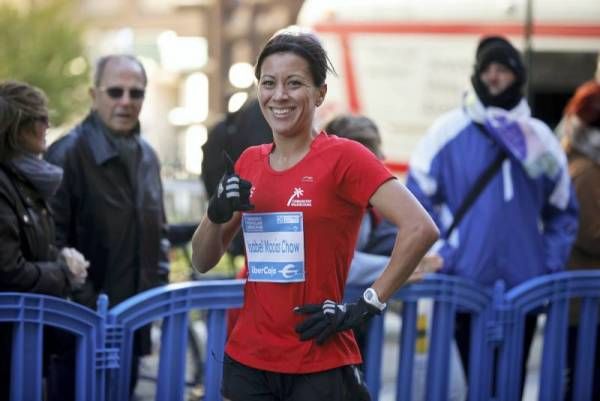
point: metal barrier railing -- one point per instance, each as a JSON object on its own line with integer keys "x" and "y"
{"x": 105, "y": 338}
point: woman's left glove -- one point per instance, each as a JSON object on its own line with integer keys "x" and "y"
{"x": 329, "y": 317}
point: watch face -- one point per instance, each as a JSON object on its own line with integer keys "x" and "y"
{"x": 371, "y": 298}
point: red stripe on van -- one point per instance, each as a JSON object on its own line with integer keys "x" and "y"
{"x": 457, "y": 29}
{"x": 396, "y": 167}
{"x": 353, "y": 102}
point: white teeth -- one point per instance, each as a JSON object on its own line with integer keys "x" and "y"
{"x": 280, "y": 112}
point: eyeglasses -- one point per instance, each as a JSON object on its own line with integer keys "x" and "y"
{"x": 43, "y": 119}
{"x": 117, "y": 92}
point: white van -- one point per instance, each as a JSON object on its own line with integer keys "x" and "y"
{"x": 405, "y": 62}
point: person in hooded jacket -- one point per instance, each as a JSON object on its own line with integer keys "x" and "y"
{"x": 523, "y": 221}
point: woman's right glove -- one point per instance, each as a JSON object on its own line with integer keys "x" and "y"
{"x": 77, "y": 265}
{"x": 233, "y": 194}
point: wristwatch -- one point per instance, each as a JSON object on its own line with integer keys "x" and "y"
{"x": 370, "y": 297}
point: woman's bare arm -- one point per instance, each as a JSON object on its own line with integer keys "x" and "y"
{"x": 210, "y": 241}
{"x": 416, "y": 233}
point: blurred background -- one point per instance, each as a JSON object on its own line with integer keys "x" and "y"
{"x": 401, "y": 62}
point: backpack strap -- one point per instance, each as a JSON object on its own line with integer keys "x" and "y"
{"x": 477, "y": 188}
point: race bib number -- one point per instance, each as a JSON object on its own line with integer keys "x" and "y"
{"x": 274, "y": 246}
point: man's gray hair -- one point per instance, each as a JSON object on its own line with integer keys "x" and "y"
{"x": 103, "y": 61}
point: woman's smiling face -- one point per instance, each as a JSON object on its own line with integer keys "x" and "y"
{"x": 287, "y": 94}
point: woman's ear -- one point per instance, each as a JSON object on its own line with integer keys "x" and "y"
{"x": 321, "y": 95}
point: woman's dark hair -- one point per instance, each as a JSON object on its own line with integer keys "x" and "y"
{"x": 20, "y": 106}
{"x": 305, "y": 45}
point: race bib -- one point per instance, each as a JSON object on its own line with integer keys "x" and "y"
{"x": 274, "y": 246}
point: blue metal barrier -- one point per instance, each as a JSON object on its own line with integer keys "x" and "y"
{"x": 29, "y": 313}
{"x": 551, "y": 293}
{"x": 105, "y": 339}
{"x": 448, "y": 294}
{"x": 172, "y": 303}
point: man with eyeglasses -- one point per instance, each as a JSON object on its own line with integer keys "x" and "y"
{"x": 110, "y": 203}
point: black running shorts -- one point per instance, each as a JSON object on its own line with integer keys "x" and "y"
{"x": 243, "y": 383}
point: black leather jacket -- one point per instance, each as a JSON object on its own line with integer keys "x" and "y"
{"x": 29, "y": 261}
{"x": 117, "y": 223}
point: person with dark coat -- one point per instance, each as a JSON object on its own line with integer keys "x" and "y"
{"x": 580, "y": 130}
{"x": 236, "y": 132}
{"x": 29, "y": 259}
{"x": 110, "y": 204}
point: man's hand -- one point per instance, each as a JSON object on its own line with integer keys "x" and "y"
{"x": 233, "y": 193}
{"x": 329, "y": 317}
{"x": 429, "y": 264}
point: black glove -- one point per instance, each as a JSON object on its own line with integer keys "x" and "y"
{"x": 233, "y": 193}
{"x": 329, "y": 318}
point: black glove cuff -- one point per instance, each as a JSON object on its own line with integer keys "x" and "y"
{"x": 368, "y": 307}
{"x": 216, "y": 214}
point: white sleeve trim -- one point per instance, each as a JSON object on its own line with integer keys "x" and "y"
{"x": 561, "y": 193}
{"x": 443, "y": 130}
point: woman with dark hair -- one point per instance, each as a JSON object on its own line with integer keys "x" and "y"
{"x": 581, "y": 140}
{"x": 29, "y": 261}
{"x": 302, "y": 200}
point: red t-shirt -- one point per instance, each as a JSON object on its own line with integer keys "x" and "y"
{"x": 331, "y": 186}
